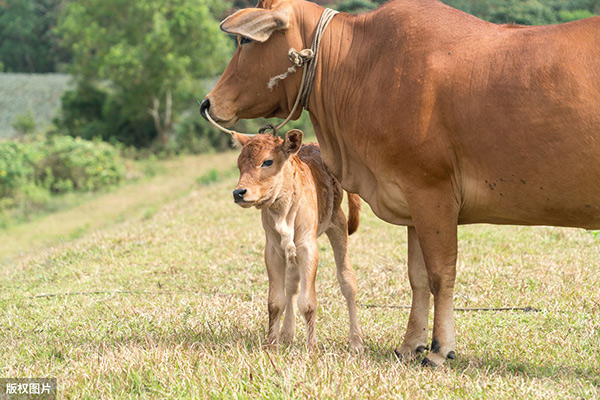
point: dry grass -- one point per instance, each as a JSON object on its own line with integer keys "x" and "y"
{"x": 198, "y": 329}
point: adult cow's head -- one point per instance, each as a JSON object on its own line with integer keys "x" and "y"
{"x": 265, "y": 35}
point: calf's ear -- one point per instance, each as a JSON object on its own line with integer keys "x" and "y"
{"x": 257, "y": 23}
{"x": 292, "y": 142}
{"x": 238, "y": 140}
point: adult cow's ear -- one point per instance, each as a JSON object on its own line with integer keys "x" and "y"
{"x": 292, "y": 142}
{"x": 257, "y": 23}
{"x": 238, "y": 140}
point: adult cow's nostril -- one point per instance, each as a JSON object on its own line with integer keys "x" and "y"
{"x": 238, "y": 195}
{"x": 204, "y": 106}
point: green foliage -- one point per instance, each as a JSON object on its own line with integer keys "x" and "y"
{"x": 528, "y": 12}
{"x": 16, "y": 167}
{"x": 77, "y": 164}
{"x": 27, "y": 43}
{"x": 147, "y": 50}
{"x": 194, "y": 135}
{"x": 31, "y": 171}
{"x": 90, "y": 112}
{"x": 567, "y": 16}
{"x": 356, "y": 6}
{"x": 524, "y": 12}
{"x": 25, "y": 123}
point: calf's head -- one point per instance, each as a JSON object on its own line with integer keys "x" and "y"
{"x": 264, "y": 167}
{"x": 265, "y": 35}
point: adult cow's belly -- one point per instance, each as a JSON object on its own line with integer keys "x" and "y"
{"x": 503, "y": 198}
{"x": 383, "y": 196}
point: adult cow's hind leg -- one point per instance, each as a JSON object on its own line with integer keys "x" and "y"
{"x": 415, "y": 339}
{"x": 435, "y": 220}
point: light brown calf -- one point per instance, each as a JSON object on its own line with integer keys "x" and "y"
{"x": 299, "y": 199}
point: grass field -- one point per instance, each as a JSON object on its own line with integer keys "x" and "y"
{"x": 39, "y": 93}
{"x": 161, "y": 293}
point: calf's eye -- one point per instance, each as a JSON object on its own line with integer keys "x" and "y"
{"x": 267, "y": 163}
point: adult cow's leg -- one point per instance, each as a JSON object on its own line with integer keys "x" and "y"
{"x": 338, "y": 236}
{"x": 415, "y": 339}
{"x": 435, "y": 220}
{"x": 275, "y": 262}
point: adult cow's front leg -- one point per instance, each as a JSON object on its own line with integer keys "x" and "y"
{"x": 435, "y": 220}
{"x": 415, "y": 339}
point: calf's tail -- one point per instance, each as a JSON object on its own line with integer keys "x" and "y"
{"x": 354, "y": 205}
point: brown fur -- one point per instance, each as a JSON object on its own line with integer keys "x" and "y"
{"x": 436, "y": 118}
{"x": 299, "y": 199}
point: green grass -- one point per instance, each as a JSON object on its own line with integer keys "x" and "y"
{"x": 176, "y": 305}
{"x": 39, "y": 93}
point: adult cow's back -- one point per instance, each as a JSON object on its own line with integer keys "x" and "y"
{"x": 435, "y": 118}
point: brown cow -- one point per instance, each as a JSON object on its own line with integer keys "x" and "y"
{"x": 435, "y": 118}
{"x": 299, "y": 199}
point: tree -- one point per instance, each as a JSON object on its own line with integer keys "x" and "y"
{"x": 27, "y": 43}
{"x": 524, "y": 12}
{"x": 153, "y": 53}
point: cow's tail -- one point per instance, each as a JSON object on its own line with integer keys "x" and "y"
{"x": 354, "y": 205}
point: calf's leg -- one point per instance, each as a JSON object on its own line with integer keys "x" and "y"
{"x": 275, "y": 262}
{"x": 292, "y": 281}
{"x": 338, "y": 236}
{"x": 307, "y": 299}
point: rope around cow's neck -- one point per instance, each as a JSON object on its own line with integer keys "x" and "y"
{"x": 306, "y": 58}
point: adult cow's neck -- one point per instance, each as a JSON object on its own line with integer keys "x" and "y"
{"x": 350, "y": 52}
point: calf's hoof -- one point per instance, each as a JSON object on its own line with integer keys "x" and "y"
{"x": 287, "y": 338}
{"x": 356, "y": 344}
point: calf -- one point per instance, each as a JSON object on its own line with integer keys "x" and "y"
{"x": 299, "y": 199}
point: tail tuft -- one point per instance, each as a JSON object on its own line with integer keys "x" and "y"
{"x": 354, "y": 205}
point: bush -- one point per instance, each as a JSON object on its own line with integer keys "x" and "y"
{"x": 25, "y": 123}
{"x": 91, "y": 113}
{"x": 30, "y": 172}
{"x": 16, "y": 167}
{"x": 194, "y": 135}
{"x": 76, "y": 164}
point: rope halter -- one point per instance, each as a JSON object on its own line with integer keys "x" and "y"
{"x": 306, "y": 58}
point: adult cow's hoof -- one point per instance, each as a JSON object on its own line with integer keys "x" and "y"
{"x": 405, "y": 353}
{"x": 428, "y": 363}
{"x": 435, "y": 359}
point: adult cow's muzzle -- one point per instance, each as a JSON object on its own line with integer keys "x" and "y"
{"x": 204, "y": 106}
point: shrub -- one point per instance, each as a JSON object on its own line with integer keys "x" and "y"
{"x": 194, "y": 135}
{"x": 91, "y": 112}
{"x": 16, "y": 167}
{"x": 77, "y": 164}
{"x": 25, "y": 123}
{"x": 30, "y": 172}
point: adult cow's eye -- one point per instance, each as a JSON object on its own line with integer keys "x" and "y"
{"x": 244, "y": 40}
{"x": 267, "y": 163}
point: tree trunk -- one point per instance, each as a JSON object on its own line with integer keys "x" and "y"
{"x": 163, "y": 128}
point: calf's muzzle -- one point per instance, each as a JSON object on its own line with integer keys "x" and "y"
{"x": 238, "y": 195}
